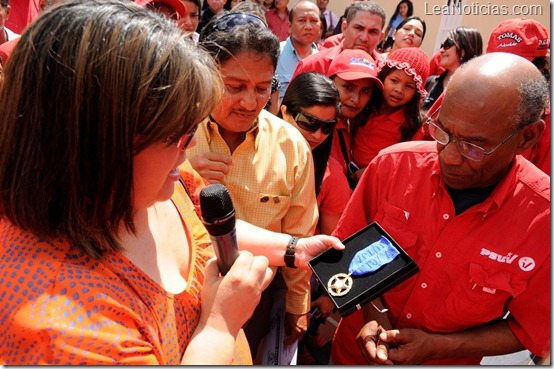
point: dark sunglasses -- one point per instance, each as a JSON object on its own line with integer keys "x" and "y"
{"x": 182, "y": 141}
{"x": 448, "y": 43}
{"x": 311, "y": 124}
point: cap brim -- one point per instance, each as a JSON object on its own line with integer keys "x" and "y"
{"x": 352, "y": 76}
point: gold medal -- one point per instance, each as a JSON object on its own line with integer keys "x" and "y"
{"x": 366, "y": 261}
{"x": 339, "y": 284}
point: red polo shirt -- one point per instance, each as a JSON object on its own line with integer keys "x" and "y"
{"x": 474, "y": 267}
{"x": 280, "y": 27}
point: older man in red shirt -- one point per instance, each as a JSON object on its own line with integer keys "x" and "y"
{"x": 474, "y": 215}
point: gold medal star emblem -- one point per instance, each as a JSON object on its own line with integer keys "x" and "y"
{"x": 339, "y": 284}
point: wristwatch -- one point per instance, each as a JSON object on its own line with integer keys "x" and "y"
{"x": 290, "y": 253}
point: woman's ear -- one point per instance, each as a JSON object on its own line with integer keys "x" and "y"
{"x": 462, "y": 54}
{"x": 284, "y": 110}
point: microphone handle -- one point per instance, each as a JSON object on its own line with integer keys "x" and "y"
{"x": 226, "y": 250}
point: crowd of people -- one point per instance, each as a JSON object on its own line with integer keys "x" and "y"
{"x": 318, "y": 125}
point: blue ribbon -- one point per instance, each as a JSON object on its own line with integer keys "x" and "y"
{"x": 372, "y": 257}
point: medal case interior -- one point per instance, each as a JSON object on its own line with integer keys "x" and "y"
{"x": 367, "y": 287}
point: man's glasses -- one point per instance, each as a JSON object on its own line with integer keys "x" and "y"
{"x": 448, "y": 43}
{"x": 311, "y": 124}
{"x": 466, "y": 149}
{"x": 182, "y": 141}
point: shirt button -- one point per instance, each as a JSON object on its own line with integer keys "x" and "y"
{"x": 438, "y": 255}
{"x": 424, "y": 285}
{"x": 445, "y": 216}
{"x": 409, "y": 316}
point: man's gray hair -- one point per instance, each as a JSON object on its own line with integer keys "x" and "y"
{"x": 365, "y": 6}
{"x": 533, "y": 100}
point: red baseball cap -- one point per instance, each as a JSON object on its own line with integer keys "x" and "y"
{"x": 353, "y": 64}
{"x": 176, "y": 5}
{"x": 524, "y": 37}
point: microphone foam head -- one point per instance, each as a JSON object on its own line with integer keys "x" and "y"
{"x": 216, "y": 203}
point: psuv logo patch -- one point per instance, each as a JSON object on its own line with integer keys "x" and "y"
{"x": 363, "y": 62}
{"x": 525, "y": 263}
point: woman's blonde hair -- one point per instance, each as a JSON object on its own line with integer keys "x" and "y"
{"x": 89, "y": 85}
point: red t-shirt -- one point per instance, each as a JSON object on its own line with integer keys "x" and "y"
{"x": 380, "y": 131}
{"x": 334, "y": 192}
{"x": 474, "y": 267}
{"x": 336, "y": 149}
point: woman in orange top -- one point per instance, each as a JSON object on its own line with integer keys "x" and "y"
{"x": 102, "y": 260}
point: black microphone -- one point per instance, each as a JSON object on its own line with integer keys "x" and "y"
{"x": 218, "y": 216}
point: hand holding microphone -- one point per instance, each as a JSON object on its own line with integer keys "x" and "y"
{"x": 218, "y": 216}
{"x": 228, "y": 301}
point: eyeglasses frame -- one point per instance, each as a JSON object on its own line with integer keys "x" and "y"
{"x": 184, "y": 140}
{"x": 458, "y": 143}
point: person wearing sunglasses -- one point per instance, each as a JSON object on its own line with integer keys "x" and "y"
{"x": 312, "y": 104}
{"x": 264, "y": 161}
{"x": 475, "y": 217}
{"x": 460, "y": 45}
{"x": 312, "y": 107}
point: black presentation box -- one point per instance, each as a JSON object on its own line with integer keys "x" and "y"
{"x": 368, "y": 287}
